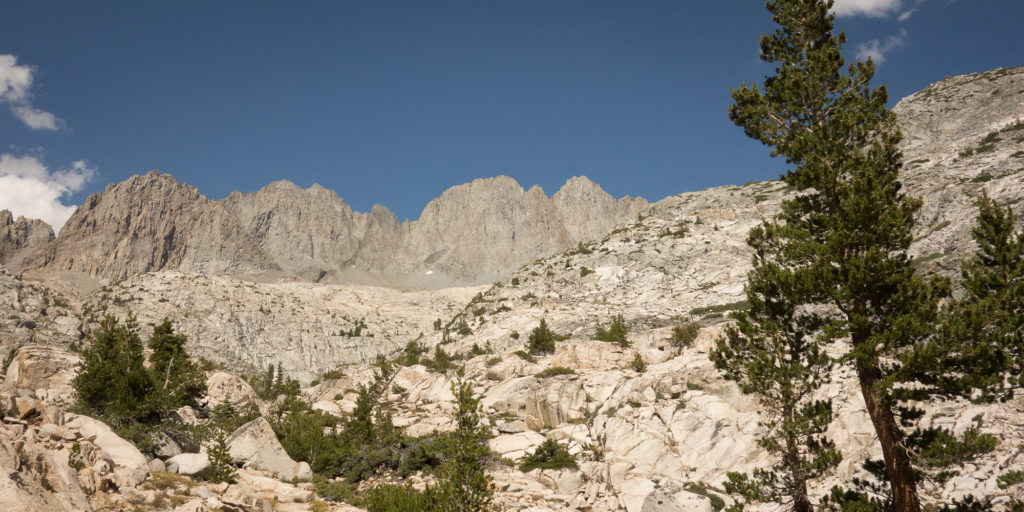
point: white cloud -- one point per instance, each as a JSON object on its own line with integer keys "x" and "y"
{"x": 877, "y": 50}
{"x": 29, "y": 189}
{"x": 870, "y": 8}
{"x": 15, "y": 89}
{"x": 905, "y": 15}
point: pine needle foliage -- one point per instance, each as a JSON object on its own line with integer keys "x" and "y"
{"x": 542, "y": 339}
{"x": 987, "y": 326}
{"x": 112, "y": 382}
{"x": 178, "y": 381}
{"x": 847, "y": 232}
{"x": 615, "y": 333}
{"x": 773, "y": 351}
{"x": 549, "y": 455}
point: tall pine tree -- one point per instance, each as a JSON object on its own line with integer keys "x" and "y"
{"x": 987, "y": 325}
{"x": 773, "y": 351}
{"x": 177, "y": 380}
{"x": 850, "y": 225}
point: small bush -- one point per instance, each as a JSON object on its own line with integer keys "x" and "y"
{"x": 683, "y": 334}
{"x": 542, "y": 339}
{"x": 616, "y": 333}
{"x": 638, "y": 364}
{"x": 549, "y": 455}
{"x": 525, "y": 356}
{"x": 1010, "y": 479}
{"x": 584, "y": 271}
{"x": 556, "y": 370}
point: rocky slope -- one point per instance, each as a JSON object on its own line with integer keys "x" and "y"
{"x": 473, "y": 233}
{"x": 305, "y": 329}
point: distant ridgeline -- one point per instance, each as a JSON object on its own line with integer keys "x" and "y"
{"x": 474, "y": 233}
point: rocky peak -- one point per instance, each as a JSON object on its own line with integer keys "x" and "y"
{"x": 588, "y": 211}
{"x": 18, "y": 237}
{"x": 147, "y": 223}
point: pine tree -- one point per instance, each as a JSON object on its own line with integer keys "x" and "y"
{"x": 542, "y": 339}
{"x": 773, "y": 351}
{"x": 224, "y": 419}
{"x": 112, "y": 382}
{"x": 615, "y": 333}
{"x": 850, "y": 226}
{"x": 463, "y": 485}
{"x": 986, "y": 326}
{"x": 177, "y": 380}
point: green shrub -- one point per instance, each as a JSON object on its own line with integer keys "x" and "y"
{"x": 395, "y": 498}
{"x": 616, "y": 333}
{"x": 1010, "y": 479}
{"x": 555, "y": 370}
{"x": 638, "y": 364}
{"x": 549, "y": 455}
{"x": 112, "y": 382}
{"x": 75, "y": 460}
{"x": 441, "y": 362}
{"x": 178, "y": 380}
{"x": 542, "y": 339}
{"x": 411, "y": 354}
{"x": 525, "y": 356}
{"x": 683, "y": 334}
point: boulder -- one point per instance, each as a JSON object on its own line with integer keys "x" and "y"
{"x": 515, "y": 446}
{"x": 188, "y": 463}
{"x": 164, "y": 446}
{"x": 222, "y": 386}
{"x": 47, "y": 371}
{"x": 327, "y": 406}
{"x": 681, "y": 501}
{"x": 255, "y": 445}
{"x": 157, "y": 466}
{"x": 131, "y": 467}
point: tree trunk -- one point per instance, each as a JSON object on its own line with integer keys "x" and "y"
{"x": 897, "y": 461}
{"x": 798, "y": 491}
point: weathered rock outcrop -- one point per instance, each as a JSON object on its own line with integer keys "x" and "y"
{"x": 21, "y": 236}
{"x": 147, "y": 223}
{"x": 254, "y": 445}
{"x": 46, "y": 371}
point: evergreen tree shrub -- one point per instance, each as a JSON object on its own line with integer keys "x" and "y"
{"x": 542, "y": 339}
{"x": 549, "y": 455}
{"x": 615, "y": 333}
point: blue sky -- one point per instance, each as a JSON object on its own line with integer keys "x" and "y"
{"x": 393, "y": 102}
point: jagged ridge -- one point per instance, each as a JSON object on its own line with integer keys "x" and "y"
{"x": 473, "y": 233}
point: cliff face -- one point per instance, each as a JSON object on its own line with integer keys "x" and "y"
{"x": 473, "y": 233}
{"x": 20, "y": 236}
{"x": 148, "y": 223}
